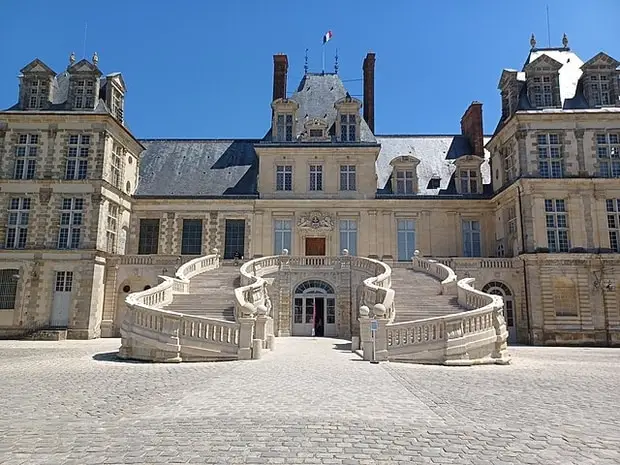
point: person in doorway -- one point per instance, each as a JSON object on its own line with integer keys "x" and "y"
{"x": 319, "y": 328}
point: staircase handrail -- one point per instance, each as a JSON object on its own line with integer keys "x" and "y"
{"x": 378, "y": 295}
{"x": 438, "y": 270}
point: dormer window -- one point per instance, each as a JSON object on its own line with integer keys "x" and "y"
{"x": 315, "y": 130}
{"x": 37, "y": 94}
{"x": 284, "y": 120}
{"x": 348, "y": 120}
{"x": 468, "y": 174}
{"x": 404, "y": 176}
{"x": 316, "y": 133}
{"x": 404, "y": 182}
{"x": 84, "y": 94}
{"x": 543, "y": 91}
{"x": 599, "y": 89}
{"x": 285, "y": 127}
{"x": 469, "y": 181}
{"x": 117, "y": 105}
{"x": 348, "y": 127}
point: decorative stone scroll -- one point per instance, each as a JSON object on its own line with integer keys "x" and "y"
{"x": 316, "y": 221}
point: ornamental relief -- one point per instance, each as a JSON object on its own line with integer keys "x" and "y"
{"x": 316, "y": 221}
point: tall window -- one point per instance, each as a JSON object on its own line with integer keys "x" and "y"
{"x": 613, "y": 223}
{"x": 112, "y": 228}
{"x": 8, "y": 288}
{"x": 191, "y": 243}
{"x": 234, "y": 240}
{"x": 557, "y": 225}
{"x": 348, "y": 124}
{"x": 543, "y": 93}
{"x": 599, "y": 90}
{"x": 471, "y": 238}
{"x": 84, "y": 93}
{"x": 316, "y": 177}
{"x": 37, "y": 94}
{"x": 284, "y": 178}
{"x": 149, "y": 237}
{"x": 404, "y": 182}
{"x": 117, "y": 105}
{"x": 469, "y": 181}
{"x": 26, "y": 156}
{"x": 550, "y": 163}
{"x": 510, "y": 163}
{"x": 17, "y": 228}
{"x": 284, "y": 127}
{"x": 71, "y": 219}
{"x": 348, "y": 236}
{"x": 77, "y": 156}
{"x": 116, "y": 176}
{"x": 405, "y": 239}
{"x": 512, "y": 220}
{"x": 608, "y": 154}
{"x": 282, "y": 236}
{"x": 347, "y": 177}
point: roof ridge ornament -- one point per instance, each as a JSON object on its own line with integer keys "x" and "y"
{"x": 533, "y": 41}
{"x": 95, "y": 58}
{"x": 565, "y": 40}
{"x": 306, "y": 63}
{"x": 71, "y": 58}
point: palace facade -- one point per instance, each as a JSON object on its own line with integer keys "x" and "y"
{"x": 90, "y": 213}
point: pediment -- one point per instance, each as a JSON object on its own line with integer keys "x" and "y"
{"x": 403, "y": 160}
{"x": 117, "y": 79}
{"x": 348, "y": 101}
{"x": 37, "y": 66}
{"x": 508, "y": 75}
{"x": 601, "y": 60}
{"x": 84, "y": 66}
{"x": 471, "y": 160}
{"x": 543, "y": 61}
{"x": 315, "y": 123}
{"x": 284, "y": 104}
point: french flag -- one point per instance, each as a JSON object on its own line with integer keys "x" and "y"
{"x": 327, "y": 36}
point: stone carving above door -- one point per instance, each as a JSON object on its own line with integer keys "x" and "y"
{"x": 316, "y": 221}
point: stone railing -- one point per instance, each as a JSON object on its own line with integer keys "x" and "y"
{"x": 474, "y": 263}
{"x": 477, "y": 335}
{"x": 151, "y": 333}
{"x": 378, "y": 295}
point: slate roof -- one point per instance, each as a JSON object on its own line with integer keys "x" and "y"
{"x": 198, "y": 168}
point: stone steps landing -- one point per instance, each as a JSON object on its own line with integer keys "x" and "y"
{"x": 418, "y": 296}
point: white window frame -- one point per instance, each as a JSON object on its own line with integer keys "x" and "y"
{"x": 468, "y": 179}
{"x": 117, "y": 105}
{"x": 112, "y": 228}
{"x": 78, "y": 153}
{"x": 608, "y": 154}
{"x": 117, "y": 165}
{"x": 84, "y": 93}
{"x": 316, "y": 178}
{"x": 282, "y": 235}
{"x": 348, "y": 235}
{"x": 472, "y": 238}
{"x": 348, "y": 127}
{"x": 71, "y": 222}
{"x": 550, "y": 156}
{"x": 613, "y": 223}
{"x": 348, "y": 178}
{"x": 599, "y": 90}
{"x": 17, "y": 224}
{"x": 510, "y": 163}
{"x": 284, "y": 127}
{"x": 556, "y": 220}
{"x": 512, "y": 220}
{"x": 543, "y": 92}
{"x": 284, "y": 178}
{"x": 26, "y": 150}
{"x": 36, "y": 94}
{"x": 405, "y": 184}
{"x": 63, "y": 281}
{"x": 405, "y": 233}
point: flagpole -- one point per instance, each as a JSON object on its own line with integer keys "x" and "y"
{"x": 313, "y": 316}
{"x": 323, "y": 48}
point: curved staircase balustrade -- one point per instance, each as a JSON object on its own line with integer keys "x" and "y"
{"x": 477, "y": 335}
{"x": 151, "y": 333}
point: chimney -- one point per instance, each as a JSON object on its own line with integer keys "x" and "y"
{"x": 369, "y": 90}
{"x": 471, "y": 127}
{"x": 280, "y": 68}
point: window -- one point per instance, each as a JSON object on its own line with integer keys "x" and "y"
{"x": 347, "y": 177}
{"x": 469, "y": 181}
{"x": 348, "y": 236}
{"x": 405, "y": 239}
{"x": 8, "y": 288}
{"x": 608, "y": 154}
{"x": 234, "y": 240}
{"x": 71, "y": 218}
{"x": 499, "y": 288}
{"x": 316, "y": 133}
{"x": 282, "y": 236}
{"x": 348, "y": 123}
{"x": 284, "y": 129}
{"x": 84, "y": 93}
{"x": 510, "y": 163}
{"x": 316, "y": 177}
{"x": 404, "y": 182}
{"x": 543, "y": 93}
{"x": 191, "y": 243}
{"x": 550, "y": 163}
{"x": 284, "y": 178}
{"x": 17, "y": 228}
{"x": 77, "y": 156}
{"x": 471, "y": 238}
{"x": 36, "y": 94}
{"x": 117, "y": 105}
{"x": 112, "y": 228}
{"x": 512, "y": 220}
{"x": 64, "y": 281}
{"x": 557, "y": 225}
{"x": 149, "y": 237}
{"x": 116, "y": 176}
{"x": 26, "y": 151}
{"x": 599, "y": 90}
{"x": 613, "y": 223}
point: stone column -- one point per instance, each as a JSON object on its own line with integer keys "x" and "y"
{"x": 365, "y": 333}
{"x": 581, "y": 160}
{"x": 246, "y": 336}
{"x": 522, "y": 155}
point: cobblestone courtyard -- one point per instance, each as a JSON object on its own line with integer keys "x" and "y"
{"x": 310, "y": 401}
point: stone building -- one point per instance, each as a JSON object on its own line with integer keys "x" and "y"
{"x": 91, "y": 213}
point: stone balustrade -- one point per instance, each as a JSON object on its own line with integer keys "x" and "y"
{"x": 475, "y": 263}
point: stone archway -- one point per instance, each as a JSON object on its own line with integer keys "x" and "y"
{"x": 502, "y": 289}
{"x": 314, "y": 309}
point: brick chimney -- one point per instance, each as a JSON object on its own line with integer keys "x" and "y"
{"x": 369, "y": 90}
{"x": 280, "y": 69}
{"x": 471, "y": 127}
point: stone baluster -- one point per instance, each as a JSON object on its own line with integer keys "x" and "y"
{"x": 260, "y": 330}
{"x": 381, "y": 343}
{"x": 365, "y": 333}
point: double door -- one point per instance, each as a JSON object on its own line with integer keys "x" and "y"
{"x": 314, "y": 316}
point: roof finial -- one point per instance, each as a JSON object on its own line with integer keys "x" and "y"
{"x": 533, "y": 41}
{"x": 336, "y": 62}
{"x": 565, "y": 40}
{"x": 306, "y": 63}
{"x": 71, "y": 58}
{"x": 95, "y": 58}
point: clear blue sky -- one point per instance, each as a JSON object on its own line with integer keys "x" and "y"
{"x": 203, "y": 69}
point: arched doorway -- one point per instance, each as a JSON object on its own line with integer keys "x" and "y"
{"x": 499, "y": 288}
{"x": 314, "y": 309}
